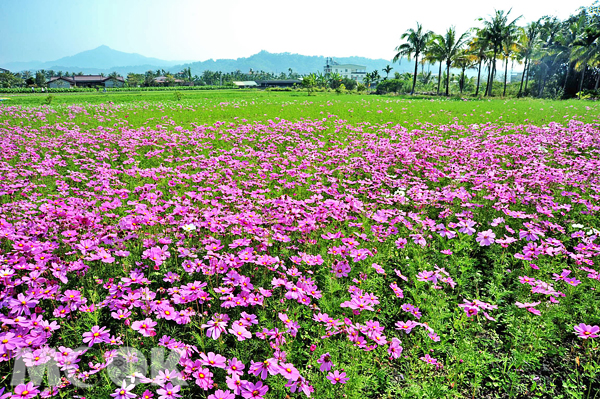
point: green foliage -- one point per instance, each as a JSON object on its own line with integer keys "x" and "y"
{"x": 393, "y": 86}
{"x": 177, "y": 95}
{"x": 49, "y": 99}
{"x": 8, "y": 80}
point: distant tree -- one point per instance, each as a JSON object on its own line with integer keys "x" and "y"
{"x": 387, "y": 71}
{"x": 449, "y": 46}
{"x": 40, "y": 79}
{"x": 309, "y": 82}
{"x": 416, "y": 43}
{"x": 478, "y": 47}
{"x": 135, "y": 79}
{"x": 585, "y": 51}
{"x": 8, "y": 80}
{"x": 529, "y": 41}
{"x": 349, "y": 84}
{"x": 494, "y": 31}
{"x": 510, "y": 46}
{"x": 335, "y": 79}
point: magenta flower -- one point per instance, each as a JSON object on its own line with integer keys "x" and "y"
{"x": 337, "y": 377}
{"x": 169, "y": 391}
{"x": 235, "y": 367}
{"x": 269, "y": 366}
{"x": 585, "y": 331}
{"x": 220, "y": 394}
{"x": 25, "y": 391}
{"x": 124, "y": 392}
{"x": 395, "y": 349}
{"x": 145, "y": 327}
{"x": 485, "y": 238}
{"x": 288, "y": 371}
{"x": 97, "y": 334}
{"x": 240, "y": 332}
{"x": 325, "y": 362}
{"x": 203, "y": 378}
{"x": 429, "y": 359}
{"x": 213, "y": 360}
{"x": 250, "y": 390}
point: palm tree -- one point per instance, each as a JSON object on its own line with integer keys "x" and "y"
{"x": 549, "y": 34}
{"x": 478, "y": 47}
{"x": 435, "y": 54}
{"x": 387, "y": 71}
{"x": 494, "y": 32}
{"x": 566, "y": 38}
{"x": 585, "y": 51}
{"x": 449, "y": 46}
{"x": 464, "y": 60}
{"x": 529, "y": 41}
{"x": 416, "y": 43}
{"x": 510, "y": 45}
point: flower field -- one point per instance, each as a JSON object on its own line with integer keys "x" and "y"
{"x": 278, "y": 247}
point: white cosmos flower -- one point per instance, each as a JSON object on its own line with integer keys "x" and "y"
{"x": 189, "y": 227}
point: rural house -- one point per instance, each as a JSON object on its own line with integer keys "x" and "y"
{"x": 350, "y": 71}
{"x": 67, "y": 82}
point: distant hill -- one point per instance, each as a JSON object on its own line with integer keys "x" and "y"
{"x": 105, "y": 60}
{"x": 102, "y": 58}
{"x": 281, "y": 62}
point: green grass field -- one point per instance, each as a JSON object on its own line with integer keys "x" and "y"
{"x": 207, "y": 107}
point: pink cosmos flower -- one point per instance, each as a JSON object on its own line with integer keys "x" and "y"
{"x": 97, "y": 334}
{"x": 250, "y": 390}
{"x": 585, "y": 331}
{"x": 145, "y": 327}
{"x": 203, "y": 378}
{"x": 485, "y": 238}
{"x": 25, "y": 391}
{"x": 289, "y": 371}
{"x": 429, "y": 359}
{"x": 169, "y": 391}
{"x": 269, "y": 366}
{"x": 395, "y": 349}
{"x": 337, "y": 377}
{"x": 240, "y": 332}
{"x": 124, "y": 392}
{"x": 213, "y": 360}
{"x": 220, "y": 394}
{"x": 325, "y": 362}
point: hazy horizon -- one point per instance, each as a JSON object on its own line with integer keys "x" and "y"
{"x": 186, "y": 30}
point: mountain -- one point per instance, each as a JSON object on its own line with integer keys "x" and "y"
{"x": 282, "y": 62}
{"x": 105, "y": 60}
{"x": 98, "y": 59}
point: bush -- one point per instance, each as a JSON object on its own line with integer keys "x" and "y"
{"x": 587, "y": 94}
{"x": 49, "y": 99}
{"x": 392, "y": 86}
{"x": 177, "y": 95}
{"x": 349, "y": 84}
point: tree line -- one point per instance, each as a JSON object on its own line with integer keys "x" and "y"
{"x": 558, "y": 58}
{"x": 148, "y": 79}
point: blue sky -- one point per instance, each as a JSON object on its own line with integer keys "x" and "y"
{"x": 200, "y": 30}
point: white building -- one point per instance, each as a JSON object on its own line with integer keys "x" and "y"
{"x": 350, "y": 71}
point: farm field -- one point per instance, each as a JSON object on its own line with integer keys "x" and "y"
{"x": 274, "y": 244}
